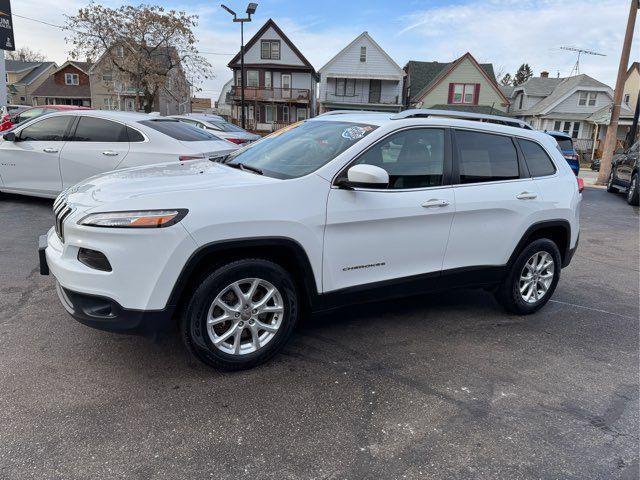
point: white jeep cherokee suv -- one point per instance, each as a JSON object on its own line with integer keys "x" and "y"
{"x": 342, "y": 208}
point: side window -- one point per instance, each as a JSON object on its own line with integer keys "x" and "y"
{"x": 134, "y": 135}
{"x": 485, "y": 157}
{"x": 91, "y": 129}
{"x": 50, "y": 129}
{"x": 538, "y": 161}
{"x": 412, "y": 158}
{"x": 26, "y": 115}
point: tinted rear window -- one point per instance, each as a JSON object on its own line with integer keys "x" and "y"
{"x": 91, "y": 129}
{"x": 564, "y": 143}
{"x": 179, "y": 130}
{"x": 485, "y": 157}
{"x": 537, "y": 159}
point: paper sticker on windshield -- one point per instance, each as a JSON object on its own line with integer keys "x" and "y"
{"x": 355, "y": 133}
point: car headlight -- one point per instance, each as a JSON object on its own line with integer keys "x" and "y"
{"x": 135, "y": 219}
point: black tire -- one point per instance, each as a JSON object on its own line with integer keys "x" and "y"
{"x": 508, "y": 293}
{"x": 194, "y": 316}
{"x": 610, "y": 187}
{"x": 632, "y": 193}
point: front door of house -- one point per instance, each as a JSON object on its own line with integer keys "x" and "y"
{"x": 286, "y": 86}
{"x": 375, "y": 87}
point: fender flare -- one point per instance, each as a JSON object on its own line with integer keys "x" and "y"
{"x": 565, "y": 252}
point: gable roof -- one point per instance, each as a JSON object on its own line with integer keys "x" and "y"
{"x": 37, "y": 69}
{"x": 539, "y": 86}
{"x": 634, "y": 66}
{"x": 563, "y": 89}
{"x": 507, "y": 90}
{"x": 271, "y": 24}
{"x": 425, "y": 76}
{"x": 365, "y": 35}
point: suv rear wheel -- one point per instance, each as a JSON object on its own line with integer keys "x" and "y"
{"x": 240, "y": 315}
{"x": 532, "y": 278}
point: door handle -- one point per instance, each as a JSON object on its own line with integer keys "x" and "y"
{"x": 526, "y": 196}
{"x": 110, "y": 153}
{"x": 50, "y": 150}
{"x": 435, "y": 202}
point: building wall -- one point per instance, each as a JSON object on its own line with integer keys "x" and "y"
{"x": 570, "y": 104}
{"x": 465, "y": 72}
{"x": 24, "y": 92}
{"x": 528, "y": 101}
{"x": 287, "y": 56}
{"x": 390, "y": 92}
{"x": 632, "y": 87}
{"x": 58, "y": 76}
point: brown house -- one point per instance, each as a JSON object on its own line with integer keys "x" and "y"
{"x": 68, "y": 85}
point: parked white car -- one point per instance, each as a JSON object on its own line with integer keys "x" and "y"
{"x": 219, "y": 127}
{"x": 53, "y": 152}
{"x": 342, "y": 208}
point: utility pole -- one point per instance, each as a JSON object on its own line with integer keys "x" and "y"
{"x": 612, "y": 129}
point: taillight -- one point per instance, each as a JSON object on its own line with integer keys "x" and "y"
{"x": 580, "y": 184}
{"x": 238, "y": 141}
{"x": 184, "y": 158}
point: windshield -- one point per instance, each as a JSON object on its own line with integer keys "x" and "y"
{"x": 226, "y": 126}
{"x": 301, "y": 148}
{"x": 179, "y": 130}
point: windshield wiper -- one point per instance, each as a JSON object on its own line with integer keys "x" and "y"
{"x": 242, "y": 166}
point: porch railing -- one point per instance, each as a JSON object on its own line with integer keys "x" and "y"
{"x": 362, "y": 98}
{"x": 271, "y": 94}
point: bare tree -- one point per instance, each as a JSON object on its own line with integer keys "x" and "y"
{"x": 25, "y": 54}
{"x": 149, "y": 47}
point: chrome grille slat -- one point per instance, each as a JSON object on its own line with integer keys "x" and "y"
{"x": 61, "y": 211}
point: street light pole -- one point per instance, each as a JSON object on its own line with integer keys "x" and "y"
{"x": 251, "y": 9}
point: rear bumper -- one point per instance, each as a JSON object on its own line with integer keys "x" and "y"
{"x": 570, "y": 253}
{"x": 105, "y": 314}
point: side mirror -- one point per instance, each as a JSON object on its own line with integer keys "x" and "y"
{"x": 366, "y": 176}
{"x": 9, "y": 137}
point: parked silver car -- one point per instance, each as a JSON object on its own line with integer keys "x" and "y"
{"x": 219, "y": 127}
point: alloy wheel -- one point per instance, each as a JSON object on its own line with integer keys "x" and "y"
{"x": 536, "y": 277}
{"x": 245, "y": 316}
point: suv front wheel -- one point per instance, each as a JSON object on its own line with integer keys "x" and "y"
{"x": 532, "y": 278}
{"x": 241, "y": 314}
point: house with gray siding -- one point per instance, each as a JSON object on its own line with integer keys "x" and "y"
{"x": 362, "y": 76}
{"x": 280, "y": 83}
{"x": 463, "y": 84}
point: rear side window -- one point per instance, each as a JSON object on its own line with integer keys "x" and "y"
{"x": 134, "y": 135}
{"x": 538, "y": 161}
{"x": 179, "y": 130}
{"x": 50, "y": 129}
{"x": 485, "y": 157}
{"x": 564, "y": 143}
{"x": 91, "y": 129}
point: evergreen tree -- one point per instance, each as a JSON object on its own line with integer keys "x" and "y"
{"x": 523, "y": 74}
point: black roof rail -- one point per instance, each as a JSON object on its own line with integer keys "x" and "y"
{"x": 478, "y": 117}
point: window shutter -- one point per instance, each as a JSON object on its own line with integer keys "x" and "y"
{"x": 476, "y": 94}
{"x": 451, "y": 87}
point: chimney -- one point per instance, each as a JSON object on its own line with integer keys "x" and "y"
{"x": 544, "y": 74}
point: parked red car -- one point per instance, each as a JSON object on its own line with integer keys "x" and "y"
{"x": 9, "y": 121}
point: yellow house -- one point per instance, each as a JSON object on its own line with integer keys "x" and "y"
{"x": 632, "y": 86}
{"x": 23, "y": 78}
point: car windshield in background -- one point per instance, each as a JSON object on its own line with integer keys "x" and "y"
{"x": 179, "y": 130}
{"x": 565, "y": 143}
{"x": 227, "y": 127}
{"x": 301, "y": 148}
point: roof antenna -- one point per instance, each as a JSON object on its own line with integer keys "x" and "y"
{"x": 580, "y": 51}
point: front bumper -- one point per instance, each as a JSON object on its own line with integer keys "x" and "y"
{"x": 106, "y": 314}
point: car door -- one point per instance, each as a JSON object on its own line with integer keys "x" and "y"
{"x": 97, "y": 145}
{"x": 31, "y": 162}
{"x": 626, "y": 163}
{"x": 495, "y": 198}
{"x": 373, "y": 235}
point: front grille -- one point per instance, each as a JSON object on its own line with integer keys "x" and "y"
{"x": 60, "y": 212}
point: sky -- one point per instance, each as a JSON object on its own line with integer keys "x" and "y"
{"x": 506, "y": 33}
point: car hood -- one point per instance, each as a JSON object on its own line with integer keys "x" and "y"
{"x": 159, "y": 179}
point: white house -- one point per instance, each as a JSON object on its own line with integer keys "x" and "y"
{"x": 563, "y": 104}
{"x": 280, "y": 83}
{"x": 362, "y": 76}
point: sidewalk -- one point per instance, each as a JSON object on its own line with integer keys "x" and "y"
{"x": 589, "y": 177}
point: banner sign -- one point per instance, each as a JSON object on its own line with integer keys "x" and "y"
{"x": 6, "y": 26}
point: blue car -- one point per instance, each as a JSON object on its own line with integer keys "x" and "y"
{"x": 566, "y": 147}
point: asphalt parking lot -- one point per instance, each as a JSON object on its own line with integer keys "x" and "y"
{"x": 445, "y": 386}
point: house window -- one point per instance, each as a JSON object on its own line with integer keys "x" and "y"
{"x": 363, "y": 54}
{"x": 119, "y": 51}
{"x": 521, "y": 100}
{"x": 557, "y": 125}
{"x": 567, "y": 127}
{"x": 627, "y": 98}
{"x": 268, "y": 113}
{"x": 108, "y": 103}
{"x": 301, "y": 114}
{"x": 285, "y": 114}
{"x": 252, "y": 78}
{"x": 576, "y": 130}
{"x": 463, "y": 93}
{"x": 107, "y": 77}
{"x": 270, "y": 49}
{"x": 345, "y": 87}
{"x": 72, "y": 79}
{"x": 238, "y": 79}
{"x": 587, "y": 98}
{"x": 267, "y": 79}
